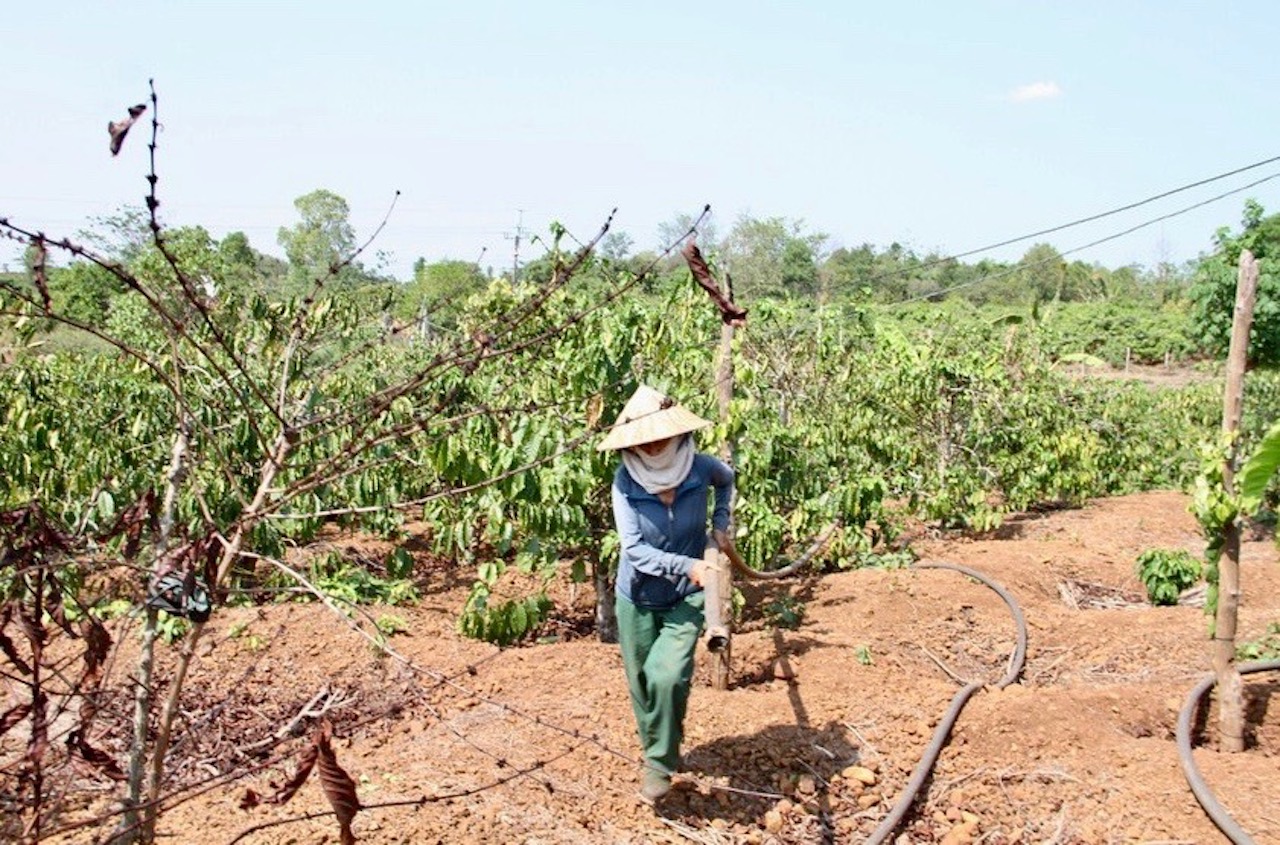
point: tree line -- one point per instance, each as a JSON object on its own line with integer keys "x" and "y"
{"x": 765, "y": 258}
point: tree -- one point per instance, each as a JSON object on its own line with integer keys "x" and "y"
{"x": 1042, "y": 274}
{"x": 616, "y": 246}
{"x": 773, "y": 257}
{"x": 246, "y": 269}
{"x": 270, "y": 418}
{"x": 83, "y": 291}
{"x": 120, "y": 236}
{"x": 439, "y": 289}
{"x": 1213, "y": 287}
{"x": 322, "y": 240}
{"x": 674, "y": 229}
{"x": 847, "y": 271}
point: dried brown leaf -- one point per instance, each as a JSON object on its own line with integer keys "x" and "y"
{"x": 38, "y": 743}
{"x": 117, "y": 129}
{"x": 729, "y": 312}
{"x": 131, "y": 521}
{"x": 56, "y": 609}
{"x": 100, "y": 760}
{"x": 250, "y": 799}
{"x": 11, "y": 652}
{"x": 36, "y": 633}
{"x": 339, "y": 787}
{"x": 88, "y": 709}
{"x": 305, "y": 762}
{"x": 97, "y": 646}
{"x": 38, "y": 271}
{"x": 13, "y": 716}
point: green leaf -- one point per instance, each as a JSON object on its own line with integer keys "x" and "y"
{"x": 106, "y": 506}
{"x": 400, "y": 563}
{"x": 1259, "y": 470}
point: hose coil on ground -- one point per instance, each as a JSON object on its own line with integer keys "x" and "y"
{"x": 1217, "y": 813}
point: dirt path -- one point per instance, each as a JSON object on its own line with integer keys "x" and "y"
{"x": 537, "y": 742}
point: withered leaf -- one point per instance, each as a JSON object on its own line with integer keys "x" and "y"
{"x": 13, "y": 716}
{"x": 118, "y": 129}
{"x": 100, "y": 760}
{"x": 38, "y": 742}
{"x": 11, "y": 652}
{"x": 97, "y": 646}
{"x": 339, "y": 788}
{"x": 38, "y": 270}
{"x": 305, "y": 762}
{"x": 729, "y": 312}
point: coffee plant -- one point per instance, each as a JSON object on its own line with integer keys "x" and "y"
{"x": 1166, "y": 573}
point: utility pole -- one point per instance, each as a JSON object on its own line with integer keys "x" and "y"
{"x": 515, "y": 255}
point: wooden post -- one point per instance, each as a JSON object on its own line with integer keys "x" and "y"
{"x": 717, "y": 622}
{"x": 723, "y": 572}
{"x": 1230, "y": 697}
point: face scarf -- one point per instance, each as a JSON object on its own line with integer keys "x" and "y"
{"x": 661, "y": 471}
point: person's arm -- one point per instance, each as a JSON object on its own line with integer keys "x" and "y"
{"x": 722, "y": 481}
{"x": 645, "y": 558}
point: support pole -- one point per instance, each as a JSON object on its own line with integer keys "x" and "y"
{"x": 1230, "y": 696}
{"x": 722, "y": 574}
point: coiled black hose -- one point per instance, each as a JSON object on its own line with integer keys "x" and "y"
{"x": 1217, "y": 813}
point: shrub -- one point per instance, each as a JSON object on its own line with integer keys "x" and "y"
{"x": 1166, "y": 573}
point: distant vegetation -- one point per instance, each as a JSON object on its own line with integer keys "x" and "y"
{"x": 871, "y": 384}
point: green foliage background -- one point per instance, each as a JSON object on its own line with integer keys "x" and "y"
{"x": 846, "y": 408}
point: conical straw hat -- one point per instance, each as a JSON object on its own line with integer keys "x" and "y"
{"x": 648, "y": 416}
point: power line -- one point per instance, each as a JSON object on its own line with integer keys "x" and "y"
{"x": 1091, "y": 244}
{"x": 1089, "y": 219}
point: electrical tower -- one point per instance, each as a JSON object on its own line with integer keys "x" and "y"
{"x": 515, "y": 253}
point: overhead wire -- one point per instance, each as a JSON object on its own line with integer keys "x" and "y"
{"x": 1087, "y": 219}
{"x": 1020, "y": 266}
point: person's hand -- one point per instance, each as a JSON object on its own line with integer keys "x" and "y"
{"x": 699, "y": 573}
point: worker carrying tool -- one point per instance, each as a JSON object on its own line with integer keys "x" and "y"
{"x": 660, "y": 498}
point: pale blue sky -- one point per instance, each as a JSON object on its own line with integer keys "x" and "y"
{"x": 874, "y": 122}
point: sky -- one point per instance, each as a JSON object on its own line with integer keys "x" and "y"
{"x": 942, "y": 126}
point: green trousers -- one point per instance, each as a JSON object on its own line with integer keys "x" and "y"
{"x": 657, "y": 651}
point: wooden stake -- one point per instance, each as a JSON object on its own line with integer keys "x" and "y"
{"x": 723, "y": 572}
{"x": 1230, "y": 698}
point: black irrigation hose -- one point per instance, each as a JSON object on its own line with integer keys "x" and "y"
{"x": 1217, "y": 813}
{"x": 943, "y": 731}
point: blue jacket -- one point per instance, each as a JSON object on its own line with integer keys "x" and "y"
{"x": 661, "y": 544}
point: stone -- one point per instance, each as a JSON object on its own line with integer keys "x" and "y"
{"x": 958, "y": 835}
{"x": 861, "y": 774}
